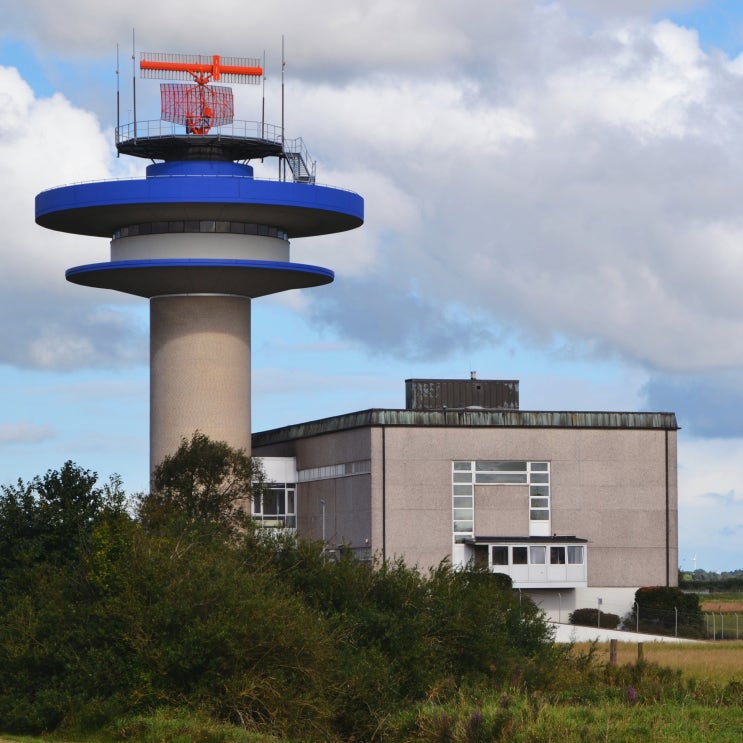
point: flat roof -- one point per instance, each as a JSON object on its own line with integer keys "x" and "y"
{"x": 554, "y": 539}
{"x": 467, "y": 418}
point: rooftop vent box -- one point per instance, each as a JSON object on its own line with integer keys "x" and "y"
{"x": 488, "y": 394}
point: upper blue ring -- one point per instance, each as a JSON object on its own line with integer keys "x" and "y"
{"x": 100, "y": 208}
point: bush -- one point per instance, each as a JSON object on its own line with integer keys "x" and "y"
{"x": 591, "y": 618}
{"x": 665, "y": 610}
{"x": 187, "y": 607}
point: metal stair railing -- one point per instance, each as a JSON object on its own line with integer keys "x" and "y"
{"x": 298, "y": 159}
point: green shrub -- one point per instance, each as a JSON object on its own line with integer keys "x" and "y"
{"x": 594, "y": 618}
{"x": 665, "y": 610}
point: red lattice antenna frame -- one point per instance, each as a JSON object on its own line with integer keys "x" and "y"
{"x": 198, "y": 107}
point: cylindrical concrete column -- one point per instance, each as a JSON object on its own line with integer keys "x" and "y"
{"x": 199, "y": 371}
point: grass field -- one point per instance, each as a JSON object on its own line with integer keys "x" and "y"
{"x": 714, "y": 661}
{"x": 580, "y": 715}
{"x": 730, "y": 603}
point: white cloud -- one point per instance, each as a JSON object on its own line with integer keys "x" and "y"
{"x": 547, "y": 171}
{"x": 46, "y": 322}
{"x": 24, "y": 433}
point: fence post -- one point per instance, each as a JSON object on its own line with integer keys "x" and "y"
{"x": 676, "y": 622}
{"x": 640, "y": 652}
{"x": 613, "y": 652}
{"x": 722, "y": 626}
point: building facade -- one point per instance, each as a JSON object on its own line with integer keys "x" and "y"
{"x": 579, "y": 508}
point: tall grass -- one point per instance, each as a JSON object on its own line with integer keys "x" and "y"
{"x": 717, "y": 662}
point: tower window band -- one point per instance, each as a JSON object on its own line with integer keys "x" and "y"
{"x": 208, "y": 226}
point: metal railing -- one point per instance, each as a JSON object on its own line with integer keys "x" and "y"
{"x": 294, "y": 151}
{"x": 159, "y": 128}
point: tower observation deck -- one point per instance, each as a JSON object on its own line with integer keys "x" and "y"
{"x": 200, "y": 237}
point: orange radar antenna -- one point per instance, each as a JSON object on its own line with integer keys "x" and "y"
{"x": 198, "y": 107}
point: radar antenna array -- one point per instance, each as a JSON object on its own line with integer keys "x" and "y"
{"x": 201, "y": 106}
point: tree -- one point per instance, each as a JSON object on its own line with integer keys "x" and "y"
{"x": 48, "y": 518}
{"x": 203, "y": 482}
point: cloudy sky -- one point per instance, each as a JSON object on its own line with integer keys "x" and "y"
{"x": 553, "y": 193}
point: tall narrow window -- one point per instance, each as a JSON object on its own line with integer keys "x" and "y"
{"x": 463, "y": 501}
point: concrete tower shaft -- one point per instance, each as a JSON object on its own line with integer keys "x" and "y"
{"x": 199, "y": 370}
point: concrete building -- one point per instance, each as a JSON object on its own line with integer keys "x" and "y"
{"x": 579, "y": 508}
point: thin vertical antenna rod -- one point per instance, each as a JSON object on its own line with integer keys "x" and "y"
{"x": 282, "y": 160}
{"x": 118, "y": 101}
{"x": 263, "y": 99}
{"x": 134, "y": 84}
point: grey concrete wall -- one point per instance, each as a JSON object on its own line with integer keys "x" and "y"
{"x": 347, "y": 499}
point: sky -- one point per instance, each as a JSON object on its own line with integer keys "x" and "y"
{"x": 552, "y": 190}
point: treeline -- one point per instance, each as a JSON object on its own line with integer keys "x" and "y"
{"x": 728, "y": 583}
{"x": 713, "y": 582}
{"x": 111, "y": 609}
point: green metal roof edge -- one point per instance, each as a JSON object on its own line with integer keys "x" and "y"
{"x": 468, "y": 419}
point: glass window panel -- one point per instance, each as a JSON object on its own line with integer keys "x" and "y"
{"x": 540, "y": 477}
{"x": 482, "y": 555}
{"x": 257, "y": 503}
{"x": 290, "y": 501}
{"x": 539, "y": 490}
{"x": 500, "y": 466}
{"x": 557, "y": 555}
{"x": 273, "y": 502}
{"x": 540, "y": 502}
{"x": 538, "y": 555}
{"x": 463, "y": 466}
{"x": 500, "y": 555}
{"x": 462, "y": 477}
{"x": 539, "y": 466}
{"x": 462, "y": 513}
{"x": 520, "y": 555}
{"x": 575, "y": 554}
{"x": 502, "y": 478}
{"x": 459, "y": 538}
{"x": 462, "y": 501}
{"x": 462, "y": 490}
{"x": 463, "y": 526}
{"x": 539, "y": 514}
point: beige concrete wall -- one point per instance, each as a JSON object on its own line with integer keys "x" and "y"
{"x": 607, "y": 486}
{"x": 199, "y": 371}
{"x": 502, "y": 509}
